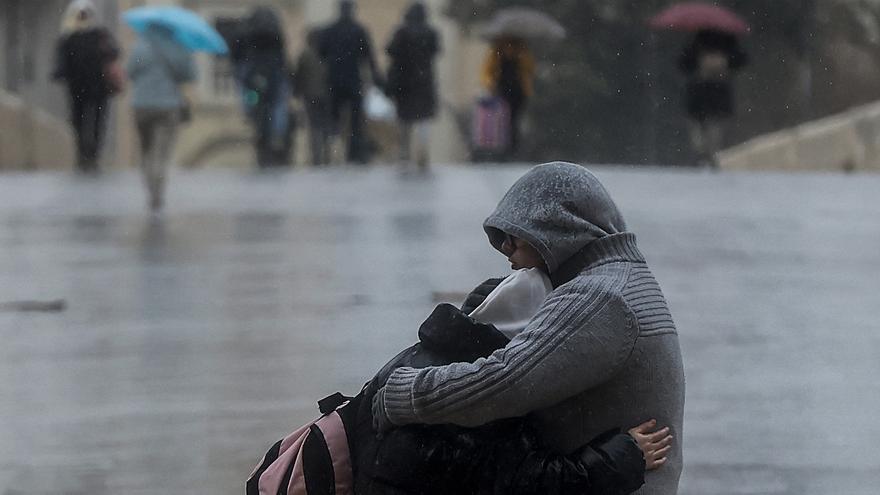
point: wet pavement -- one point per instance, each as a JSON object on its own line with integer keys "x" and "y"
{"x": 187, "y": 344}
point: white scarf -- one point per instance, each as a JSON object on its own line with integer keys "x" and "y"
{"x": 515, "y": 301}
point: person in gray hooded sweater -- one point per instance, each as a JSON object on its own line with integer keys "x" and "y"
{"x": 602, "y": 351}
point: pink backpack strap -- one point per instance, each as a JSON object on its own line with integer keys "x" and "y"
{"x": 333, "y": 431}
{"x": 274, "y": 475}
{"x": 337, "y": 443}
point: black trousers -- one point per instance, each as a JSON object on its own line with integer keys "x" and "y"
{"x": 350, "y": 100}
{"x": 88, "y": 116}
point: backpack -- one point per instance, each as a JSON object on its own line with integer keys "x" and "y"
{"x": 313, "y": 460}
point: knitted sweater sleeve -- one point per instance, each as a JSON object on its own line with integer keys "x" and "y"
{"x": 577, "y": 340}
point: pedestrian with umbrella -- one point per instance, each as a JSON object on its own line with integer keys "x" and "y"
{"x": 160, "y": 63}
{"x": 509, "y": 68}
{"x": 709, "y": 61}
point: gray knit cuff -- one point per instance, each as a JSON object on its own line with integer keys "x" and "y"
{"x": 398, "y": 396}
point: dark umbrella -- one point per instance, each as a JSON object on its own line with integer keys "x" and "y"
{"x": 699, "y": 16}
{"x": 522, "y": 22}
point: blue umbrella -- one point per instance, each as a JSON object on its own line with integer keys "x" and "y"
{"x": 189, "y": 29}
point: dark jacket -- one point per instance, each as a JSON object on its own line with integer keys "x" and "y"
{"x": 261, "y": 59}
{"x": 709, "y": 62}
{"x": 345, "y": 46}
{"x": 503, "y": 457}
{"x": 81, "y": 60}
{"x": 411, "y": 82}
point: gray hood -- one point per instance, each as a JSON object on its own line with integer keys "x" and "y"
{"x": 558, "y": 208}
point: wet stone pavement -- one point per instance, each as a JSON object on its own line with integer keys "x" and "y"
{"x": 191, "y": 342}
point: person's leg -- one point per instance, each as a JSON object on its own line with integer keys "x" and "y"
{"x": 406, "y": 129}
{"x": 280, "y": 125}
{"x": 422, "y": 144}
{"x": 714, "y": 140}
{"x": 698, "y": 141}
{"x": 146, "y": 127}
{"x": 164, "y": 138}
{"x": 89, "y": 124}
{"x": 102, "y": 109}
{"x": 314, "y": 135}
{"x": 335, "y": 125}
{"x": 515, "y": 108}
{"x": 356, "y": 149}
{"x": 76, "y": 121}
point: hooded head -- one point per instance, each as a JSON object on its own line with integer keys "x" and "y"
{"x": 558, "y": 208}
{"x": 79, "y": 15}
{"x": 416, "y": 14}
{"x": 346, "y": 10}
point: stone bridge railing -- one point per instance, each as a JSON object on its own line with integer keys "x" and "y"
{"x": 31, "y": 139}
{"x": 849, "y": 141}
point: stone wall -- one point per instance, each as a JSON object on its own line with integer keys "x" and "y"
{"x": 848, "y": 141}
{"x": 31, "y": 138}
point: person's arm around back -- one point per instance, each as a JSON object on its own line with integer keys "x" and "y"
{"x": 578, "y": 340}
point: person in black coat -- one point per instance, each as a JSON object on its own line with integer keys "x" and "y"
{"x": 411, "y": 81}
{"x": 345, "y": 47}
{"x": 709, "y": 61}
{"x": 261, "y": 65}
{"x": 503, "y": 457}
{"x": 84, "y": 54}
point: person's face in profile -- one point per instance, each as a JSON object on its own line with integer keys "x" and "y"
{"x": 521, "y": 254}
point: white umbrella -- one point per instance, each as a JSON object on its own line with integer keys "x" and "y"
{"x": 522, "y": 22}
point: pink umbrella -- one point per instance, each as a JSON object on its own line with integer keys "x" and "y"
{"x": 698, "y": 16}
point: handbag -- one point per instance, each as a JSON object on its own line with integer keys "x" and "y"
{"x": 114, "y": 77}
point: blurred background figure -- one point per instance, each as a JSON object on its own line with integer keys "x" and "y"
{"x": 265, "y": 77}
{"x": 311, "y": 85}
{"x": 158, "y": 66}
{"x": 508, "y": 72}
{"x": 709, "y": 61}
{"x": 411, "y": 82}
{"x": 345, "y": 48}
{"x": 86, "y": 62}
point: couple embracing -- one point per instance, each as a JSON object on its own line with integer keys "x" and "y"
{"x": 600, "y": 353}
{"x": 564, "y": 378}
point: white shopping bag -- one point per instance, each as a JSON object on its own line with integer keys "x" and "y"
{"x": 378, "y": 106}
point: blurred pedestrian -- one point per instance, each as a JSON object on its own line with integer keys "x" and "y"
{"x": 508, "y": 72}
{"x": 158, "y": 67}
{"x": 311, "y": 85}
{"x": 86, "y": 62}
{"x": 345, "y": 48}
{"x": 265, "y": 76}
{"x": 709, "y": 61}
{"x": 411, "y": 82}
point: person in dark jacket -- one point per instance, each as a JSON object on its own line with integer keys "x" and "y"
{"x": 84, "y": 53}
{"x": 502, "y": 457}
{"x": 709, "y": 61}
{"x": 411, "y": 82}
{"x": 265, "y": 76}
{"x": 345, "y": 47}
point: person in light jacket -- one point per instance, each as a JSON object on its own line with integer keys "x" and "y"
{"x": 601, "y": 351}
{"x": 158, "y": 66}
